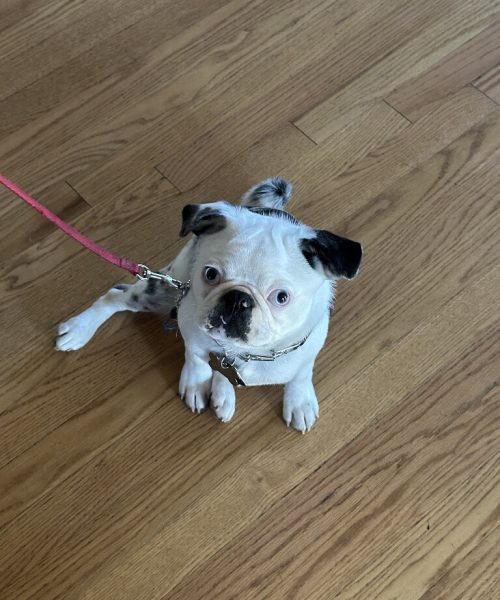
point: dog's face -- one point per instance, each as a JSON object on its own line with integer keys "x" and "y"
{"x": 257, "y": 271}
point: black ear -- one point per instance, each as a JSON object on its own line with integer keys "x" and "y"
{"x": 199, "y": 219}
{"x": 334, "y": 255}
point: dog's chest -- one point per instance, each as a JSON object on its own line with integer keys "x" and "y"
{"x": 279, "y": 371}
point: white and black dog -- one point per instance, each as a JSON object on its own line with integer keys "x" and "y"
{"x": 258, "y": 306}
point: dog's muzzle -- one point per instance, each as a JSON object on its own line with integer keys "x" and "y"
{"x": 233, "y": 312}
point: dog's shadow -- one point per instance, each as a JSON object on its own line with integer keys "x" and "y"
{"x": 167, "y": 345}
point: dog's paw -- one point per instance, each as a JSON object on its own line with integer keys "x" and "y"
{"x": 300, "y": 408}
{"x": 73, "y": 334}
{"x": 223, "y": 399}
{"x": 194, "y": 390}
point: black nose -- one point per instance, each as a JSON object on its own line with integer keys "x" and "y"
{"x": 233, "y": 303}
{"x": 233, "y": 312}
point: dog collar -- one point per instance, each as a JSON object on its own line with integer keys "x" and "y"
{"x": 222, "y": 362}
{"x": 229, "y": 365}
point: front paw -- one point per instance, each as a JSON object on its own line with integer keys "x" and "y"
{"x": 74, "y": 334}
{"x": 194, "y": 388}
{"x": 223, "y": 399}
{"x": 300, "y": 407}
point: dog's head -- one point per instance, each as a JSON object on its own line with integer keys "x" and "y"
{"x": 260, "y": 276}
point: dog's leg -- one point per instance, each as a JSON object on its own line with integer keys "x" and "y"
{"x": 196, "y": 381}
{"x": 300, "y": 405}
{"x": 144, "y": 296}
{"x": 223, "y": 397}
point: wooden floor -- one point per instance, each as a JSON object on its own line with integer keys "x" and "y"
{"x": 386, "y": 116}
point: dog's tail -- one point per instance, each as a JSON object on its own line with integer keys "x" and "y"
{"x": 270, "y": 193}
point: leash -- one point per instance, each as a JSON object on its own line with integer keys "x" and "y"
{"x": 219, "y": 362}
{"x": 137, "y": 269}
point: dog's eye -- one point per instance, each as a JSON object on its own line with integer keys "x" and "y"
{"x": 279, "y": 297}
{"x": 211, "y": 275}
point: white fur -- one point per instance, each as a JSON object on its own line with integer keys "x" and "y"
{"x": 256, "y": 253}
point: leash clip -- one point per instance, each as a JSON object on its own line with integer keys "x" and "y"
{"x": 144, "y": 273}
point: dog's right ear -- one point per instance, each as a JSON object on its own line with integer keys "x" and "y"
{"x": 332, "y": 255}
{"x": 201, "y": 219}
{"x": 270, "y": 193}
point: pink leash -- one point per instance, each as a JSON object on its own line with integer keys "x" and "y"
{"x": 139, "y": 270}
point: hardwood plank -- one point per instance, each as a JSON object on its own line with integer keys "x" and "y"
{"x": 12, "y": 11}
{"x": 152, "y": 220}
{"x": 155, "y": 143}
{"x": 475, "y": 576}
{"x": 422, "y": 94}
{"x": 56, "y": 100}
{"x": 238, "y": 491}
{"x": 367, "y": 221}
{"x": 489, "y": 83}
{"x": 118, "y": 214}
{"x": 333, "y": 69}
{"x": 59, "y": 31}
{"x": 233, "y": 65}
{"x": 110, "y": 487}
{"x": 124, "y": 166}
{"x": 264, "y": 159}
{"x": 401, "y": 153}
{"x": 413, "y": 57}
{"x": 31, "y": 229}
{"x": 36, "y": 390}
{"x": 420, "y": 486}
{"x": 288, "y": 151}
{"x": 206, "y": 35}
{"x": 344, "y": 333}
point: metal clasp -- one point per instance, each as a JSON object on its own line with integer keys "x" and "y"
{"x": 145, "y": 273}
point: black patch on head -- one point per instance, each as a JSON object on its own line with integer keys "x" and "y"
{"x": 151, "y": 287}
{"x": 337, "y": 256}
{"x": 201, "y": 221}
{"x": 121, "y": 287}
{"x": 233, "y": 312}
{"x": 274, "y": 212}
{"x": 135, "y": 298}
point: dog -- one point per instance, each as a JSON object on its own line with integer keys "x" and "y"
{"x": 257, "y": 310}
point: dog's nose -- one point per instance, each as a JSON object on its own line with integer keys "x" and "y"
{"x": 235, "y": 302}
{"x": 233, "y": 312}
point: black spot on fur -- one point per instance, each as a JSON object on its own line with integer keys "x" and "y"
{"x": 338, "y": 256}
{"x": 201, "y": 221}
{"x": 121, "y": 287}
{"x": 234, "y": 313}
{"x": 151, "y": 287}
{"x": 135, "y": 298}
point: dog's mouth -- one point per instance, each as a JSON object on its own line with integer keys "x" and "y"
{"x": 231, "y": 316}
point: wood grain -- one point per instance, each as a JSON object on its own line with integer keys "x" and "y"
{"x": 415, "y": 492}
{"x": 489, "y": 83}
{"x": 416, "y": 97}
{"x": 385, "y": 116}
{"x": 446, "y": 34}
{"x": 60, "y": 197}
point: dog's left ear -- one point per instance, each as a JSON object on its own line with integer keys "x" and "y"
{"x": 201, "y": 219}
{"x": 335, "y": 256}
